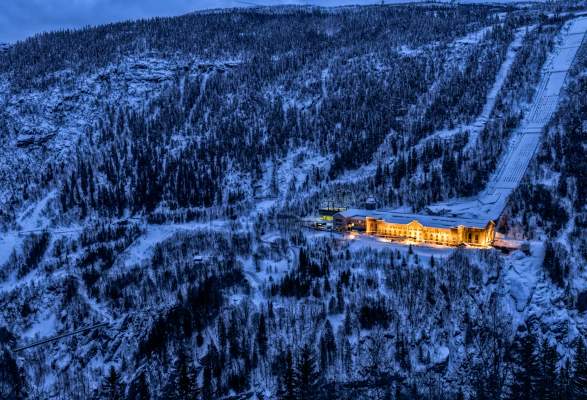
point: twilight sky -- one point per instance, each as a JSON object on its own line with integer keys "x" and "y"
{"x": 22, "y": 18}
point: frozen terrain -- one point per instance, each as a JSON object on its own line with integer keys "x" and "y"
{"x": 525, "y": 140}
{"x": 475, "y": 128}
{"x": 235, "y": 281}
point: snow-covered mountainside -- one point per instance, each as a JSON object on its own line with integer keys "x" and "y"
{"x": 156, "y": 178}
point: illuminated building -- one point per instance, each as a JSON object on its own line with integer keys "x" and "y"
{"x": 431, "y": 229}
{"x": 327, "y": 213}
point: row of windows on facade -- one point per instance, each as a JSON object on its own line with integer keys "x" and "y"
{"x": 437, "y": 237}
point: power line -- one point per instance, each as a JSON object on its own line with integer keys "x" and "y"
{"x": 61, "y": 336}
{"x": 249, "y": 3}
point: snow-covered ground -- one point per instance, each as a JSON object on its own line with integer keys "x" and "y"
{"x": 142, "y": 248}
{"x": 58, "y": 117}
{"x": 479, "y": 123}
{"x": 458, "y": 47}
{"x": 424, "y": 251}
{"x": 524, "y": 142}
{"x": 31, "y": 220}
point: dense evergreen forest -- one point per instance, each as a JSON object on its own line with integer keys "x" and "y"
{"x": 155, "y": 174}
{"x": 333, "y": 82}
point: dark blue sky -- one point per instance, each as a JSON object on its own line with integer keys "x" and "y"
{"x": 22, "y": 18}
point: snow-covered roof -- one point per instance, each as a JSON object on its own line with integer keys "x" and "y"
{"x": 355, "y": 212}
{"x": 433, "y": 221}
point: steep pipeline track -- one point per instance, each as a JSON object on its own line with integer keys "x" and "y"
{"x": 525, "y": 141}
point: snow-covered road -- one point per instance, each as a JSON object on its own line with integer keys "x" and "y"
{"x": 525, "y": 141}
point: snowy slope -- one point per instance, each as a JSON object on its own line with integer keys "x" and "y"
{"x": 479, "y": 123}
{"x": 420, "y": 315}
{"x": 524, "y": 142}
{"x": 46, "y": 125}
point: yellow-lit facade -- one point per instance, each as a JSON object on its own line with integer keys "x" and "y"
{"x": 415, "y": 228}
{"x": 419, "y": 233}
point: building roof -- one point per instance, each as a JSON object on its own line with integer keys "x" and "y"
{"x": 433, "y": 221}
